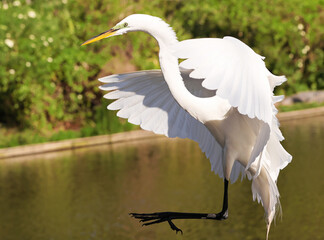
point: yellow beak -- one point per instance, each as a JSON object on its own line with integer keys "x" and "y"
{"x": 106, "y": 34}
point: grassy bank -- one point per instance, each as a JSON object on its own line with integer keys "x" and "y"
{"x": 299, "y": 106}
{"x": 104, "y": 122}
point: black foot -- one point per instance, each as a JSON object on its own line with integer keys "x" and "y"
{"x": 218, "y": 216}
{"x": 153, "y": 218}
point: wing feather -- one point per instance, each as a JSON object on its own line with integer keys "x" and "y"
{"x": 233, "y": 69}
{"x": 145, "y": 99}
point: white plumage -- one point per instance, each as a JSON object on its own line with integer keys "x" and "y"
{"x": 231, "y": 67}
{"x": 159, "y": 112}
{"x": 220, "y": 96}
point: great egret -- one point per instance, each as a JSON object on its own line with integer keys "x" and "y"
{"x": 221, "y": 96}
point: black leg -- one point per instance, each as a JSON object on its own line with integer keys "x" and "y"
{"x": 158, "y": 217}
{"x": 225, "y": 199}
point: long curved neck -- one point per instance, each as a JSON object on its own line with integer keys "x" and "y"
{"x": 170, "y": 69}
{"x": 199, "y": 108}
{"x": 202, "y": 109}
{"x": 166, "y": 39}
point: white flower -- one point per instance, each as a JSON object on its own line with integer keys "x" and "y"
{"x": 50, "y": 39}
{"x": 45, "y": 43}
{"x": 291, "y": 56}
{"x": 49, "y": 59}
{"x": 300, "y": 26}
{"x": 32, "y": 37}
{"x": 80, "y": 96}
{"x": 300, "y": 64}
{"x": 64, "y": 1}
{"x": 12, "y": 71}
{"x": 20, "y": 16}
{"x": 5, "y": 6}
{"x": 16, "y": 3}
{"x": 9, "y": 43}
{"x": 305, "y": 49}
{"x": 303, "y": 33}
{"x": 31, "y": 14}
{"x": 28, "y": 64}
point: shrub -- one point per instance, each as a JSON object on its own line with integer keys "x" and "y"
{"x": 47, "y": 79}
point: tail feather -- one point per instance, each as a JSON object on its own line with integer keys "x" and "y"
{"x": 265, "y": 190}
{"x": 273, "y": 158}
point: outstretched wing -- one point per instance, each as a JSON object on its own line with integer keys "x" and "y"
{"x": 145, "y": 99}
{"x": 233, "y": 69}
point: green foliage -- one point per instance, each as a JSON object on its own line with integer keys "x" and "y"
{"x": 48, "y": 82}
{"x": 46, "y": 75}
{"x": 47, "y": 79}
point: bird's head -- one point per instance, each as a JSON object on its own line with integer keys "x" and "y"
{"x": 139, "y": 22}
{"x": 135, "y": 22}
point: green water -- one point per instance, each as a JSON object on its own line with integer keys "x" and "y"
{"x": 87, "y": 194}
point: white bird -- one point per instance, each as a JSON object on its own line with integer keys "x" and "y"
{"x": 220, "y": 96}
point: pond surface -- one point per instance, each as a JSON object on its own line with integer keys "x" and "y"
{"x": 87, "y": 194}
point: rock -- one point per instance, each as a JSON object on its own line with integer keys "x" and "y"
{"x": 304, "y": 97}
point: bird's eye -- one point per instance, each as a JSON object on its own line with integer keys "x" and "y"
{"x": 125, "y": 24}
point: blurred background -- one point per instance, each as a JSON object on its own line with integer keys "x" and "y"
{"x": 49, "y": 91}
{"x": 49, "y": 88}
